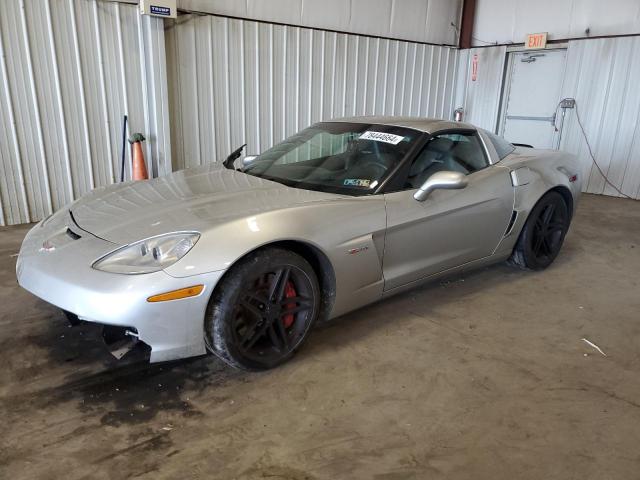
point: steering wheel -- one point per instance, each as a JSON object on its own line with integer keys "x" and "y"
{"x": 368, "y": 169}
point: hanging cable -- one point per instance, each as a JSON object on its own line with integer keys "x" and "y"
{"x": 593, "y": 157}
{"x": 457, "y": 29}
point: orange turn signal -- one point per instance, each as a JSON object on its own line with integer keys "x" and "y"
{"x": 177, "y": 294}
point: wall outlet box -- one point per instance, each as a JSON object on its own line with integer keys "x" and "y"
{"x": 159, "y": 8}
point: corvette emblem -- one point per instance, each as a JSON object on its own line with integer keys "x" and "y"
{"x": 354, "y": 251}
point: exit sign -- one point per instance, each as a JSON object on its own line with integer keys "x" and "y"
{"x": 535, "y": 41}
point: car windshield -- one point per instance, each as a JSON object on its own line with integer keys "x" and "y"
{"x": 337, "y": 157}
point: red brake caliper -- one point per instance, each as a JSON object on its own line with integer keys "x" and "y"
{"x": 289, "y": 292}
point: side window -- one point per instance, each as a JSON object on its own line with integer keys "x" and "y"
{"x": 503, "y": 148}
{"x": 458, "y": 152}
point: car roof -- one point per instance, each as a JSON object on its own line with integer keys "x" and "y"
{"x": 429, "y": 125}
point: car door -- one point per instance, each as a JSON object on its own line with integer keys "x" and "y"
{"x": 451, "y": 227}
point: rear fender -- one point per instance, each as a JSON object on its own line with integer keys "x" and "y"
{"x": 532, "y": 178}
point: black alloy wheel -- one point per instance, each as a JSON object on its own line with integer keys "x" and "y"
{"x": 543, "y": 234}
{"x": 263, "y": 309}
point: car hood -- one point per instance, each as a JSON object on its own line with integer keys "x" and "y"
{"x": 193, "y": 199}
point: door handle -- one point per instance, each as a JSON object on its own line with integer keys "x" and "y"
{"x": 550, "y": 119}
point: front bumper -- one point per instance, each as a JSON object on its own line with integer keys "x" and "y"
{"x": 63, "y": 276}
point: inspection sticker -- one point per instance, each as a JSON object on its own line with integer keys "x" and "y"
{"x": 357, "y": 182}
{"x": 381, "y": 137}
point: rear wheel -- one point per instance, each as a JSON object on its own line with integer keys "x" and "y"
{"x": 263, "y": 309}
{"x": 543, "y": 233}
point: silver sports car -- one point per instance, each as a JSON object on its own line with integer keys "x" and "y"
{"x": 242, "y": 260}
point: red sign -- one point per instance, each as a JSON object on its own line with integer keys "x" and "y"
{"x": 536, "y": 41}
{"x": 474, "y": 68}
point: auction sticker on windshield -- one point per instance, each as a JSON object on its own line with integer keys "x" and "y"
{"x": 357, "y": 182}
{"x": 381, "y": 137}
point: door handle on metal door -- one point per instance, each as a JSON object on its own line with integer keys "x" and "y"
{"x": 550, "y": 119}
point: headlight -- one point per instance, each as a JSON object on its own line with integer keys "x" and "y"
{"x": 149, "y": 255}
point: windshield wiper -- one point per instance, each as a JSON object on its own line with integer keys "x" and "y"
{"x": 228, "y": 163}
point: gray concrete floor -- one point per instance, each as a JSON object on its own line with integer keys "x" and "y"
{"x": 481, "y": 377}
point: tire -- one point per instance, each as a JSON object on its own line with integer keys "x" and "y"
{"x": 543, "y": 233}
{"x": 263, "y": 309}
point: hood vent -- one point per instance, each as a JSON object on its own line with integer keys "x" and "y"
{"x": 72, "y": 234}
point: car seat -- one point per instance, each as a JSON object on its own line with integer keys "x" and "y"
{"x": 436, "y": 157}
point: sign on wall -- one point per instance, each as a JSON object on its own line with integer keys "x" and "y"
{"x": 474, "y": 68}
{"x": 536, "y": 41}
{"x": 159, "y": 8}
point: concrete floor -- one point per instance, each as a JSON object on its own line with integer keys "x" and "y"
{"x": 481, "y": 377}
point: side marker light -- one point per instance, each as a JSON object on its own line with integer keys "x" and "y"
{"x": 177, "y": 294}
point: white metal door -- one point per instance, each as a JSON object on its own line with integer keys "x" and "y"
{"x": 533, "y": 91}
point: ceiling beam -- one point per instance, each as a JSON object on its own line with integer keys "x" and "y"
{"x": 466, "y": 28}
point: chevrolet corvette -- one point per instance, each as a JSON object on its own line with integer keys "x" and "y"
{"x": 242, "y": 258}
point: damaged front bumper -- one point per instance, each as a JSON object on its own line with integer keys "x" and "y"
{"x": 60, "y": 273}
{"x": 118, "y": 340}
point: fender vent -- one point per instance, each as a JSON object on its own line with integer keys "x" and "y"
{"x": 512, "y": 222}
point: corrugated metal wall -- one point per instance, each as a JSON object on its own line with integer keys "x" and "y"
{"x": 236, "y": 81}
{"x": 509, "y": 21}
{"x": 602, "y": 75}
{"x": 480, "y": 97}
{"x": 427, "y": 21}
{"x": 69, "y": 71}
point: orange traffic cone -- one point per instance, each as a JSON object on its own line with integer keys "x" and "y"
{"x": 138, "y": 167}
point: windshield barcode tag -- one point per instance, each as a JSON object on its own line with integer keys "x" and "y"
{"x": 381, "y": 137}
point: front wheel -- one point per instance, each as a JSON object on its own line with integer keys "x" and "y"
{"x": 543, "y": 233}
{"x": 263, "y": 309}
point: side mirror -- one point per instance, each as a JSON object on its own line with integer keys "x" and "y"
{"x": 445, "y": 180}
{"x": 246, "y": 161}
